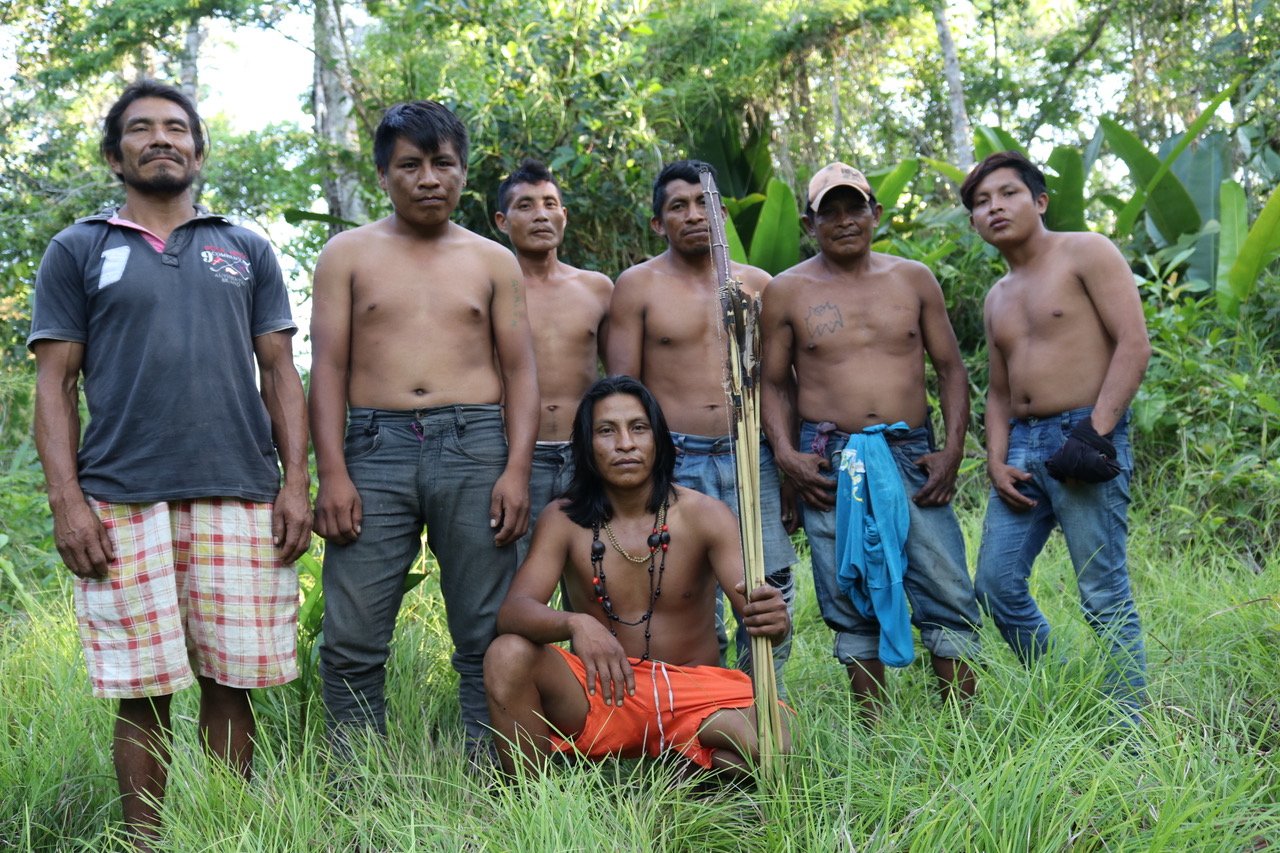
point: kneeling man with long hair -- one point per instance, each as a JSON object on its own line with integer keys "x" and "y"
{"x": 640, "y": 558}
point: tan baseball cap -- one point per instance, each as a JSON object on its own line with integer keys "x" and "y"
{"x": 836, "y": 175}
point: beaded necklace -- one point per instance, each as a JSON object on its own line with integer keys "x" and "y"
{"x": 658, "y": 541}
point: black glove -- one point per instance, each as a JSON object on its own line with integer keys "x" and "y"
{"x": 1086, "y": 456}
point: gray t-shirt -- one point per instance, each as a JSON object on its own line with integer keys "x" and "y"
{"x": 169, "y": 369}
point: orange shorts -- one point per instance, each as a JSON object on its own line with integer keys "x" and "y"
{"x": 670, "y": 705}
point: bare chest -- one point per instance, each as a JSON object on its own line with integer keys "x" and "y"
{"x": 1030, "y": 309}
{"x": 682, "y": 318}
{"x": 427, "y": 295}
{"x": 564, "y": 321}
{"x": 830, "y": 323}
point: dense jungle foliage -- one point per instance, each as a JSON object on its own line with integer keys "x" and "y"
{"x": 1159, "y": 125}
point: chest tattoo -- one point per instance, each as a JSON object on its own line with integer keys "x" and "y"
{"x": 823, "y": 319}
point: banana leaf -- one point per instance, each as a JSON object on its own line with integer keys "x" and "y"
{"x": 775, "y": 246}
{"x": 1257, "y": 250}
{"x": 1066, "y": 190}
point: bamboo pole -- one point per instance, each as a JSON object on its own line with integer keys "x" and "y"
{"x": 741, "y": 317}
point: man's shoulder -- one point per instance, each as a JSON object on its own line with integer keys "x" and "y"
{"x": 476, "y": 242}
{"x": 589, "y": 278}
{"x": 908, "y": 272}
{"x": 353, "y": 240}
{"x": 496, "y": 257}
{"x": 1082, "y": 244}
{"x": 897, "y": 265}
{"x": 788, "y": 282}
{"x": 753, "y": 278}
{"x": 700, "y": 510}
{"x": 556, "y": 528}
{"x": 228, "y": 230}
{"x": 636, "y": 283}
{"x": 84, "y": 229}
{"x": 644, "y": 271}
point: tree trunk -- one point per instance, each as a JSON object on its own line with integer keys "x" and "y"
{"x": 961, "y": 136}
{"x": 332, "y": 106}
{"x": 190, "y": 61}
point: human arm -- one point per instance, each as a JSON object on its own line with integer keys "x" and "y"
{"x": 525, "y": 611}
{"x": 1109, "y": 283}
{"x": 513, "y": 341}
{"x": 1004, "y": 477}
{"x": 287, "y": 408}
{"x": 81, "y": 539}
{"x": 604, "y": 292}
{"x": 338, "y": 510}
{"x": 763, "y": 610}
{"x": 624, "y": 348}
{"x": 953, "y": 395}
{"x": 777, "y": 406}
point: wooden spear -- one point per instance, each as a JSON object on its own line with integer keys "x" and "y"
{"x": 741, "y": 316}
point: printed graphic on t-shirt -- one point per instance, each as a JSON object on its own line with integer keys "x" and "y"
{"x": 227, "y": 265}
{"x": 113, "y": 263}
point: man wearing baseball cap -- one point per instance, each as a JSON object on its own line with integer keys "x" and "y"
{"x": 855, "y": 325}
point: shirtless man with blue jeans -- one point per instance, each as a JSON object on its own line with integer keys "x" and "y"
{"x": 1058, "y": 439}
{"x": 855, "y": 326}
{"x": 416, "y": 423}
{"x": 665, "y": 329}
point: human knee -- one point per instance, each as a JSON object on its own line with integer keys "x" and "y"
{"x": 147, "y": 713}
{"x": 510, "y": 660}
{"x": 221, "y": 697}
{"x": 988, "y": 590}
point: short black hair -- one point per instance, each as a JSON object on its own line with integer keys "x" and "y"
{"x": 1027, "y": 172}
{"x": 680, "y": 170}
{"x": 112, "y": 125}
{"x": 529, "y": 171}
{"x": 426, "y": 124}
{"x": 587, "y": 503}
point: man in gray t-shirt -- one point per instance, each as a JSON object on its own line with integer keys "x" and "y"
{"x": 171, "y": 514}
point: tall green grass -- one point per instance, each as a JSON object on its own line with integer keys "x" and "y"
{"x": 1039, "y": 762}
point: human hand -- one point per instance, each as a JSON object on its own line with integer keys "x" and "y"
{"x": 81, "y": 539}
{"x": 339, "y": 511}
{"x": 804, "y": 471}
{"x": 940, "y": 487}
{"x": 605, "y": 660}
{"x": 509, "y": 508}
{"x": 1085, "y": 456}
{"x": 765, "y": 612}
{"x": 1005, "y": 479}
{"x": 291, "y": 522}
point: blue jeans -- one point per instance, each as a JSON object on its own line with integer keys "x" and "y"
{"x": 552, "y": 471}
{"x": 1094, "y": 522}
{"x": 708, "y": 464}
{"x": 937, "y": 584}
{"x": 437, "y": 468}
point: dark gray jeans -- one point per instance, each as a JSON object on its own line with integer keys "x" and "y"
{"x": 434, "y": 467}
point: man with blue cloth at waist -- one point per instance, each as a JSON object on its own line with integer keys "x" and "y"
{"x": 851, "y": 328}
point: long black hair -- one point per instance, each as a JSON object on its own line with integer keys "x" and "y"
{"x": 587, "y": 502}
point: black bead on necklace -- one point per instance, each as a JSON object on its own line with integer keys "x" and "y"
{"x": 659, "y": 541}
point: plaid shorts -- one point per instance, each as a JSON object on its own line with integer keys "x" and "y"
{"x": 196, "y": 587}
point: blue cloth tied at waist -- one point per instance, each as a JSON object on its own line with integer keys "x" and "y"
{"x": 872, "y": 520}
